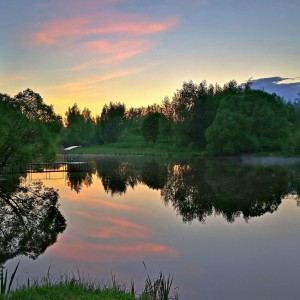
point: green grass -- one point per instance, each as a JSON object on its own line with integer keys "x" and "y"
{"x": 75, "y": 287}
{"x": 68, "y": 291}
{"x": 137, "y": 148}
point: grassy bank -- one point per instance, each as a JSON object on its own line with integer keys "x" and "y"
{"x": 159, "y": 150}
{"x": 137, "y": 148}
{"x": 77, "y": 290}
{"x": 76, "y": 287}
{"x": 69, "y": 291}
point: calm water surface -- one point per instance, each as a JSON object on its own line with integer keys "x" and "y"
{"x": 225, "y": 229}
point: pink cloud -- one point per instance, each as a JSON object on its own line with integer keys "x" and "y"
{"x": 121, "y": 228}
{"x": 42, "y": 38}
{"x": 97, "y": 28}
{"x": 139, "y": 27}
{"x": 56, "y": 29}
{"x": 115, "y": 51}
{"x": 111, "y": 252}
{"x": 117, "y": 206}
{"x": 104, "y": 46}
{"x": 75, "y": 28}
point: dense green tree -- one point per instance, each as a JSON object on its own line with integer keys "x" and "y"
{"x": 293, "y": 108}
{"x": 79, "y": 127}
{"x": 111, "y": 122}
{"x": 166, "y": 129}
{"x": 193, "y": 113}
{"x": 73, "y": 115}
{"x": 133, "y": 122}
{"x": 73, "y": 133}
{"x": 32, "y": 106}
{"x": 89, "y": 126}
{"x": 231, "y": 133}
{"x": 29, "y": 128}
{"x": 150, "y": 127}
{"x": 247, "y": 122}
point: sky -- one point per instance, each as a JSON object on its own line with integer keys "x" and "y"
{"x": 137, "y": 52}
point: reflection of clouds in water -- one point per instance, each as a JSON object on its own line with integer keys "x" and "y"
{"x": 121, "y": 228}
{"x": 107, "y": 204}
{"x": 112, "y": 252}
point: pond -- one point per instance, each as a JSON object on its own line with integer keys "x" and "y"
{"x": 223, "y": 228}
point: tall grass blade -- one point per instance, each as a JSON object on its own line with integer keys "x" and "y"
{"x": 132, "y": 289}
{"x": 158, "y": 288}
{"x": 5, "y": 286}
{"x": 12, "y": 278}
{"x": 3, "y": 279}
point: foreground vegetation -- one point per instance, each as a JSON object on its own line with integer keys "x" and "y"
{"x": 68, "y": 291}
{"x": 71, "y": 287}
{"x": 228, "y": 120}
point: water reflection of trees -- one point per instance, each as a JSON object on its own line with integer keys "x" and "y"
{"x": 248, "y": 190}
{"x": 77, "y": 179}
{"x": 187, "y": 190}
{"x": 225, "y": 188}
{"x": 202, "y": 188}
{"x": 154, "y": 175}
{"x": 117, "y": 175}
{"x": 30, "y": 219}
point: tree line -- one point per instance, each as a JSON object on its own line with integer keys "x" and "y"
{"x": 228, "y": 120}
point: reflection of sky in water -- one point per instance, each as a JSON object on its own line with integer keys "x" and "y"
{"x": 215, "y": 260}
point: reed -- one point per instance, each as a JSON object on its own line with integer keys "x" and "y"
{"x": 159, "y": 288}
{"x": 5, "y": 282}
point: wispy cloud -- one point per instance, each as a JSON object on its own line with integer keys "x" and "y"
{"x": 111, "y": 252}
{"x": 121, "y": 228}
{"x": 80, "y": 27}
{"x": 107, "y": 204}
{"x": 99, "y": 32}
{"x": 113, "y": 52}
{"x": 94, "y": 81}
{"x": 103, "y": 46}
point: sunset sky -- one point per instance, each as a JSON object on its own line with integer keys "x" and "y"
{"x": 139, "y": 51}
